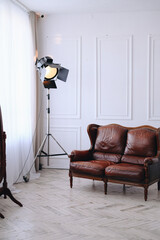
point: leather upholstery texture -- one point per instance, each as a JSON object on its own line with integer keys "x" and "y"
{"x": 132, "y": 159}
{"x": 126, "y": 171}
{"x": 93, "y": 167}
{"x": 141, "y": 142}
{"x": 111, "y": 139}
{"x": 107, "y": 156}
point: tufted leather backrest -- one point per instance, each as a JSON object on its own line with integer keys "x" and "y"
{"x": 117, "y": 143}
{"x": 141, "y": 143}
{"x": 111, "y": 139}
{"x": 108, "y": 142}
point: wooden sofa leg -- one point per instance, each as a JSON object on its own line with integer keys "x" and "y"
{"x": 145, "y": 193}
{"x": 158, "y": 184}
{"x": 124, "y": 188}
{"x": 71, "y": 179}
{"x": 105, "y": 186}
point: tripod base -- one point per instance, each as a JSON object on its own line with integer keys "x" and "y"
{"x": 41, "y": 153}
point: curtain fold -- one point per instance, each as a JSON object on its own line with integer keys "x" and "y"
{"x": 17, "y": 87}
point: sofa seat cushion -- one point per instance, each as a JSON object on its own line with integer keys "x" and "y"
{"x": 93, "y": 167}
{"x": 125, "y": 171}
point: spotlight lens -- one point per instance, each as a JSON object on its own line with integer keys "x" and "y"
{"x": 51, "y": 72}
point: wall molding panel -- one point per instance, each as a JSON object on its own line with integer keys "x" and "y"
{"x": 71, "y": 90}
{"x": 153, "y": 77}
{"x": 114, "y": 77}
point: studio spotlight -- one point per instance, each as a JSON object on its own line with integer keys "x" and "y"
{"x": 49, "y": 73}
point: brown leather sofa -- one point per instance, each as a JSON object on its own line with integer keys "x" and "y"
{"x": 119, "y": 154}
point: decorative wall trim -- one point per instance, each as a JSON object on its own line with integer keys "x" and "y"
{"x": 127, "y": 41}
{"x": 153, "y": 92}
{"x": 77, "y": 53}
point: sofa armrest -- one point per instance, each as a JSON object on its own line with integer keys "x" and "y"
{"x": 152, "y": 168}
{"x": 151, "y": 160}
{"x": 80, "y": 155}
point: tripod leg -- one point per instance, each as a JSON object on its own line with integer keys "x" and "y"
{"x": 59, "y": 144}
{"x": 42, "y": 145}
{"x": 39, "y": 151}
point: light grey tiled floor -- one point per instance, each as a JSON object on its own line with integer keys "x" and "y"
{"x": 53, "y": 211}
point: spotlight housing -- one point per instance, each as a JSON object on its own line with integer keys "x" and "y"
{"x": 50, "y": 72}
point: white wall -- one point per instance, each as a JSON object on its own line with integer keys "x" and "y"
{"x": 114, "y": 63}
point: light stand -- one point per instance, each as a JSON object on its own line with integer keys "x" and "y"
{"x": 48, "y": 136}
{"x": 54, "y": 70}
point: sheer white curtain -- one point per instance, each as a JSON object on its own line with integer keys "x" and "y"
{"x": 17, "y": 87}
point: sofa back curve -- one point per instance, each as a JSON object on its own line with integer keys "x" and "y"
{"x": 116, "y": 143}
